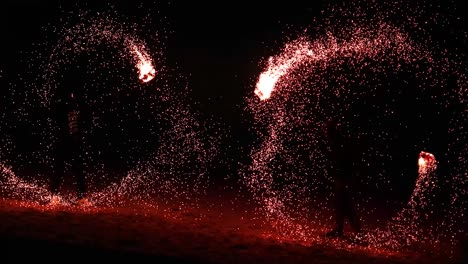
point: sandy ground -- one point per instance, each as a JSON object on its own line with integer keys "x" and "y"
{"x": 220, "y": 231}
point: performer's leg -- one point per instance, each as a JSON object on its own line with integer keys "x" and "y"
{"x": 58, "y": 166}
{"x": 79, "y": 169}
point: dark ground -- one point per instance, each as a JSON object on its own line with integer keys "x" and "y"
{"x": 216, "y": 231}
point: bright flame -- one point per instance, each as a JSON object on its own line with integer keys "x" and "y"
{"x": 268, "y": 79}
{"x": 146, "y": 71}
{"x": 426, "y": 162}
{"x": 280, "y": 66}
{"x": 302, "y": 50}
{"x": 265, "y": 85}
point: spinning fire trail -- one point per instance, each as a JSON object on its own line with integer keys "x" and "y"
{"x": 310, "y": 81}
{"x": 101, "y": 56}
{"x": 85, "y": 38}
{"x": 145, "y": 68}
{"x": 406, "y": 227}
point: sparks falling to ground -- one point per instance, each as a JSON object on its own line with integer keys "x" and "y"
{"x": 150, "y": 133}
{"x": 385, "y": 43}
{"x": 407, "y": 227}
{"x": 339, "y": 69}
{"x": 314, "y": 78}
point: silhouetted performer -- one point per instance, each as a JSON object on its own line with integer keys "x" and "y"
{"x": 70, "y": 118}
{"x": 342, "y": 156}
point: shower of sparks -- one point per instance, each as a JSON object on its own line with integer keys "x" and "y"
{"x": 406, "y": 228}
{"x": 321, "y": 53}
{"x": 308, "y": 81}
{"x": 335, "y": 75}
{"x": 163, "y": 149}
{"x": 88, "y": 37}
{"x": 361, "y": 44}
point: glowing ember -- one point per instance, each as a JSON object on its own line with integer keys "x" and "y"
{"x": 147, "y": 72}
{"x": 277, "y": 68}
{"x": 144, "y": 65}
{"x": 267, "y": 80}
{"x": 426, "y": 162}
{"x": 265, "y": 85}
